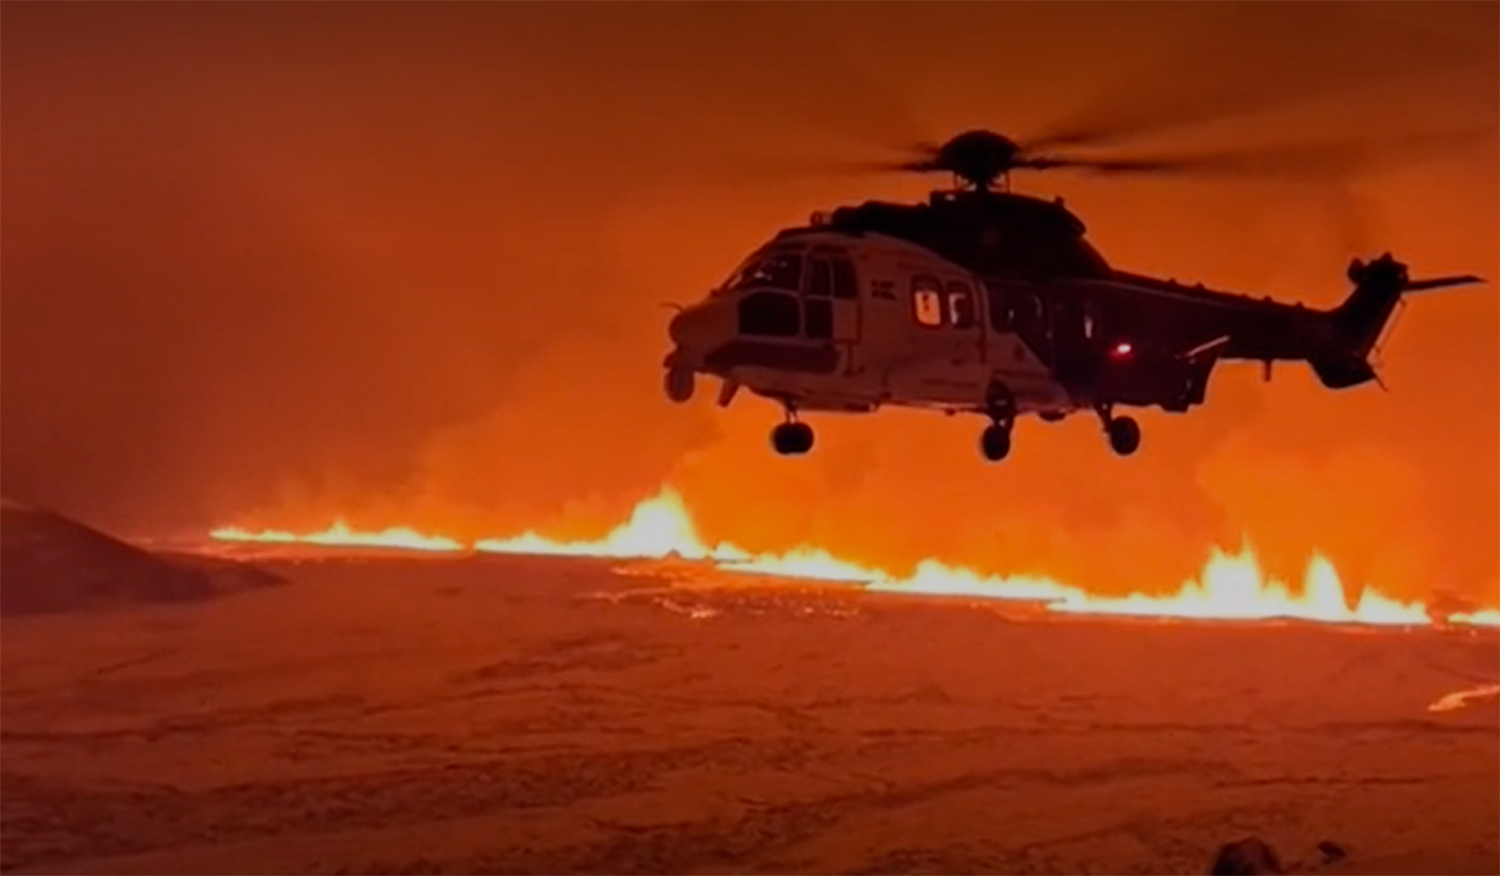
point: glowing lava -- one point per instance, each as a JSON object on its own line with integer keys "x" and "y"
{"x": 1462, "y": 698}
{"x": 340, "y": 535}
{"x": 1231, "y": 586}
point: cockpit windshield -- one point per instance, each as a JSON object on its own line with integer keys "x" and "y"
{"x": 774, "y": 270}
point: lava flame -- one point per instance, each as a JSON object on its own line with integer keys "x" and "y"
{"x": 1462, "y": 698}
{"x": 340, "y": 535}
{"x": 1231, "y": 586}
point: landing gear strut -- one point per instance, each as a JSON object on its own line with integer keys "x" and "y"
{"x": 1000, "y": 407}
{"x": 1123, "y": 432}
{"x": 792, "y": 438}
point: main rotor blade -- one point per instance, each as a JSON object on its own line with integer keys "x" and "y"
{"x": 1330, "y": 50}
{"x": 1318, "y": 161}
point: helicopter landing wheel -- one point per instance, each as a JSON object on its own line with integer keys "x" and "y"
{"x": 994, "y": 442}
{"x": 792, "y": 439}
{"x": 679, "y": 384}
{"x": 1124, "y": 435}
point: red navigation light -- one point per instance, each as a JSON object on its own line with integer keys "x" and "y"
{"x": 1122, "y": 349}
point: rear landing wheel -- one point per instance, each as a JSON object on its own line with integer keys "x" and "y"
{"x": 994, "y": 442}
{"x": 1124, "y": 435}
{"x": 792, "y": 439}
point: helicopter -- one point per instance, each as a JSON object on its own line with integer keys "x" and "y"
{"x": 988, "y": 302}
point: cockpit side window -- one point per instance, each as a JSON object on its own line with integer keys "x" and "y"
{"x": 927, "y": 300}
{"x": 960, "y": 304}
{"x": 737, "y": 277}
{"x": 779, "y": 271}
{"x": 776, "y": 270}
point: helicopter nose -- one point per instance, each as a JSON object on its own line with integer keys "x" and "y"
{"x": 697, "y": 327}
{"x": 679, "y": 328}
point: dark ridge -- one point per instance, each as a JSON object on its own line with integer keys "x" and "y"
{"x": 50, "y": 564}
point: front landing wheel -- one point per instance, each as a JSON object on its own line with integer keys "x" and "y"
{"x": 679, "y": 384}
{"x": 1124, "y": 435}
{"x": 994, "y": 442}
{"x": 792, "y": 439}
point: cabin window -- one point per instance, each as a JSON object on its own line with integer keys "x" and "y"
{"x": 845, "y": 286}
{"x": 1029, "y": 314}
{"x": 770, "y": 314}
{"x": 927, "y": 300}
{"x": 960, "y": 305}
{"x": 1092, "y": 321}
{"x": 1012, "y": 310}
{"x": 819, "y": 278}
{"x": 1002, "y": 313}
{"x": 819, "y": 318}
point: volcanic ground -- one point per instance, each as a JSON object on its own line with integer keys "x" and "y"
{"x": 502, "y": 714}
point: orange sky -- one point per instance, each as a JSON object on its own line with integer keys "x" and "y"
{"x": 266, "y": 263}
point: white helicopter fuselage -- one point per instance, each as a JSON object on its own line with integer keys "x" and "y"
{"x": 915, "y": 330}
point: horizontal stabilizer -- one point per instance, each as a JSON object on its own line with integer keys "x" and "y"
{"x": 1441, "y": 283}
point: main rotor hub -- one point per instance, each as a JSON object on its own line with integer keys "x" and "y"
{"x": 978, "y": 157}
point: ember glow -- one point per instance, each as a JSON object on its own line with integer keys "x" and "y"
{"x": 1462, "y": 698}
{"x": 1232, "y": 586}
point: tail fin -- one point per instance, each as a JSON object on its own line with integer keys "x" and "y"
{"x": 1361, "y": 319}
